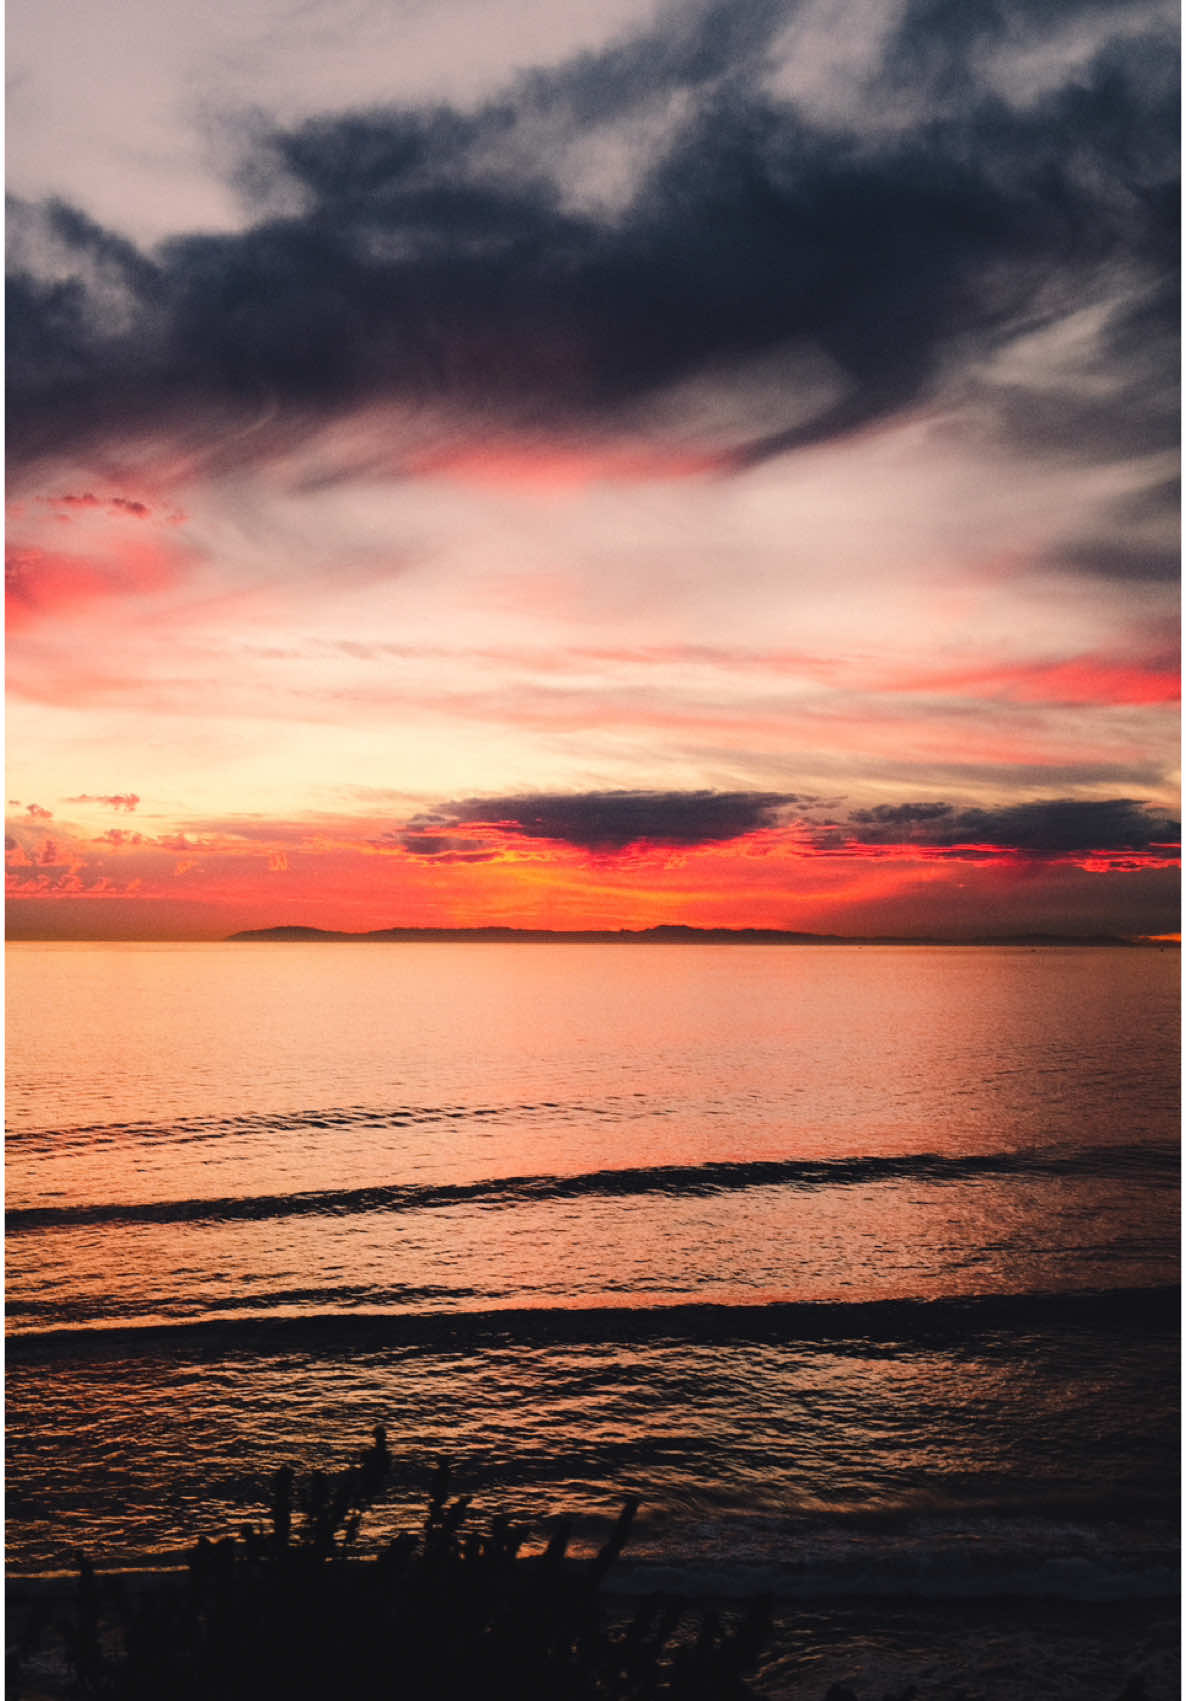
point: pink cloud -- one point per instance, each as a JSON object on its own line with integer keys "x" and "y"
{"x": 1075, "y": 680}
{"x": 41, "y": 583}
{"x": 111, "y": 504}
{"x": 561, "y": 466}
{"x": 125, "y": 800}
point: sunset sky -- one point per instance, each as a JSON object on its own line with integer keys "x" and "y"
{"x": 592, "y": 464}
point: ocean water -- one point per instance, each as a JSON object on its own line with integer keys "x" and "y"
{"x": 857, "y": 1264}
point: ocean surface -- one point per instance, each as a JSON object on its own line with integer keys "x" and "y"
{"x": 857, "y": 1264}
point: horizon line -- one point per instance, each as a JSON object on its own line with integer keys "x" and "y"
{"x": 659, "y": 933}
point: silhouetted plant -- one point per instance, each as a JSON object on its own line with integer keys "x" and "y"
{"x": 442, "y": 1612}
{"x": 447, "y": 1610}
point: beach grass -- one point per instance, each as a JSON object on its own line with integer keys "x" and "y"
{"x": 452, "y": 1608}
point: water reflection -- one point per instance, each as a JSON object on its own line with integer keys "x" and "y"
{"x": 790, "y": 1450}
{"x": 761, "y": 1243}
{"x": 936, "y": 1124}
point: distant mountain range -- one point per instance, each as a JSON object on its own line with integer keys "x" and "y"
{"x": 670, "y": 934}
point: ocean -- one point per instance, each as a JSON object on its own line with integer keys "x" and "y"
{"x": 857, "y": 1264}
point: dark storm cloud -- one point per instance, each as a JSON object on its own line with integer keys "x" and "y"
{"x": 940, "y": 52}
{"x": 436, "y": 263}
{"x": 1048, "y": 828}
{"x": 604, "y": 820}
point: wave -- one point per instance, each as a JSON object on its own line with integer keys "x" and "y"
{"x": 327, "y": 1119}
{"x": 886, "y": 1322}
{"x": 1149, "y": 1163}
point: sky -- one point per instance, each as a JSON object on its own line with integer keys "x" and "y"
{"x": 592, "y": 465}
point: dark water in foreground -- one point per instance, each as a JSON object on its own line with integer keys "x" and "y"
{"x": 857, "y": 1265}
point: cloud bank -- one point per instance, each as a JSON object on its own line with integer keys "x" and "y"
{"x": 610, "y": 823}
{"x": 603, "y": 822}
{"x": 1050, "y": 828}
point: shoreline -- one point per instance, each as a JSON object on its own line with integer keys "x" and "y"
{"x": 993, "y": 1648}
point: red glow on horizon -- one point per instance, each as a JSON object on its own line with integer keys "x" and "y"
{"x": 774, "y": 877}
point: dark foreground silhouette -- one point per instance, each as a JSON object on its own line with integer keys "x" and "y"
{"x": 447, "y": 1610}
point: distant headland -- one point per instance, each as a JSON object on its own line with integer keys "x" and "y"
{"x": 666, "y": 934}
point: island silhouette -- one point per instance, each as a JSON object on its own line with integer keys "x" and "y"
{"x": 668, "y": 933}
